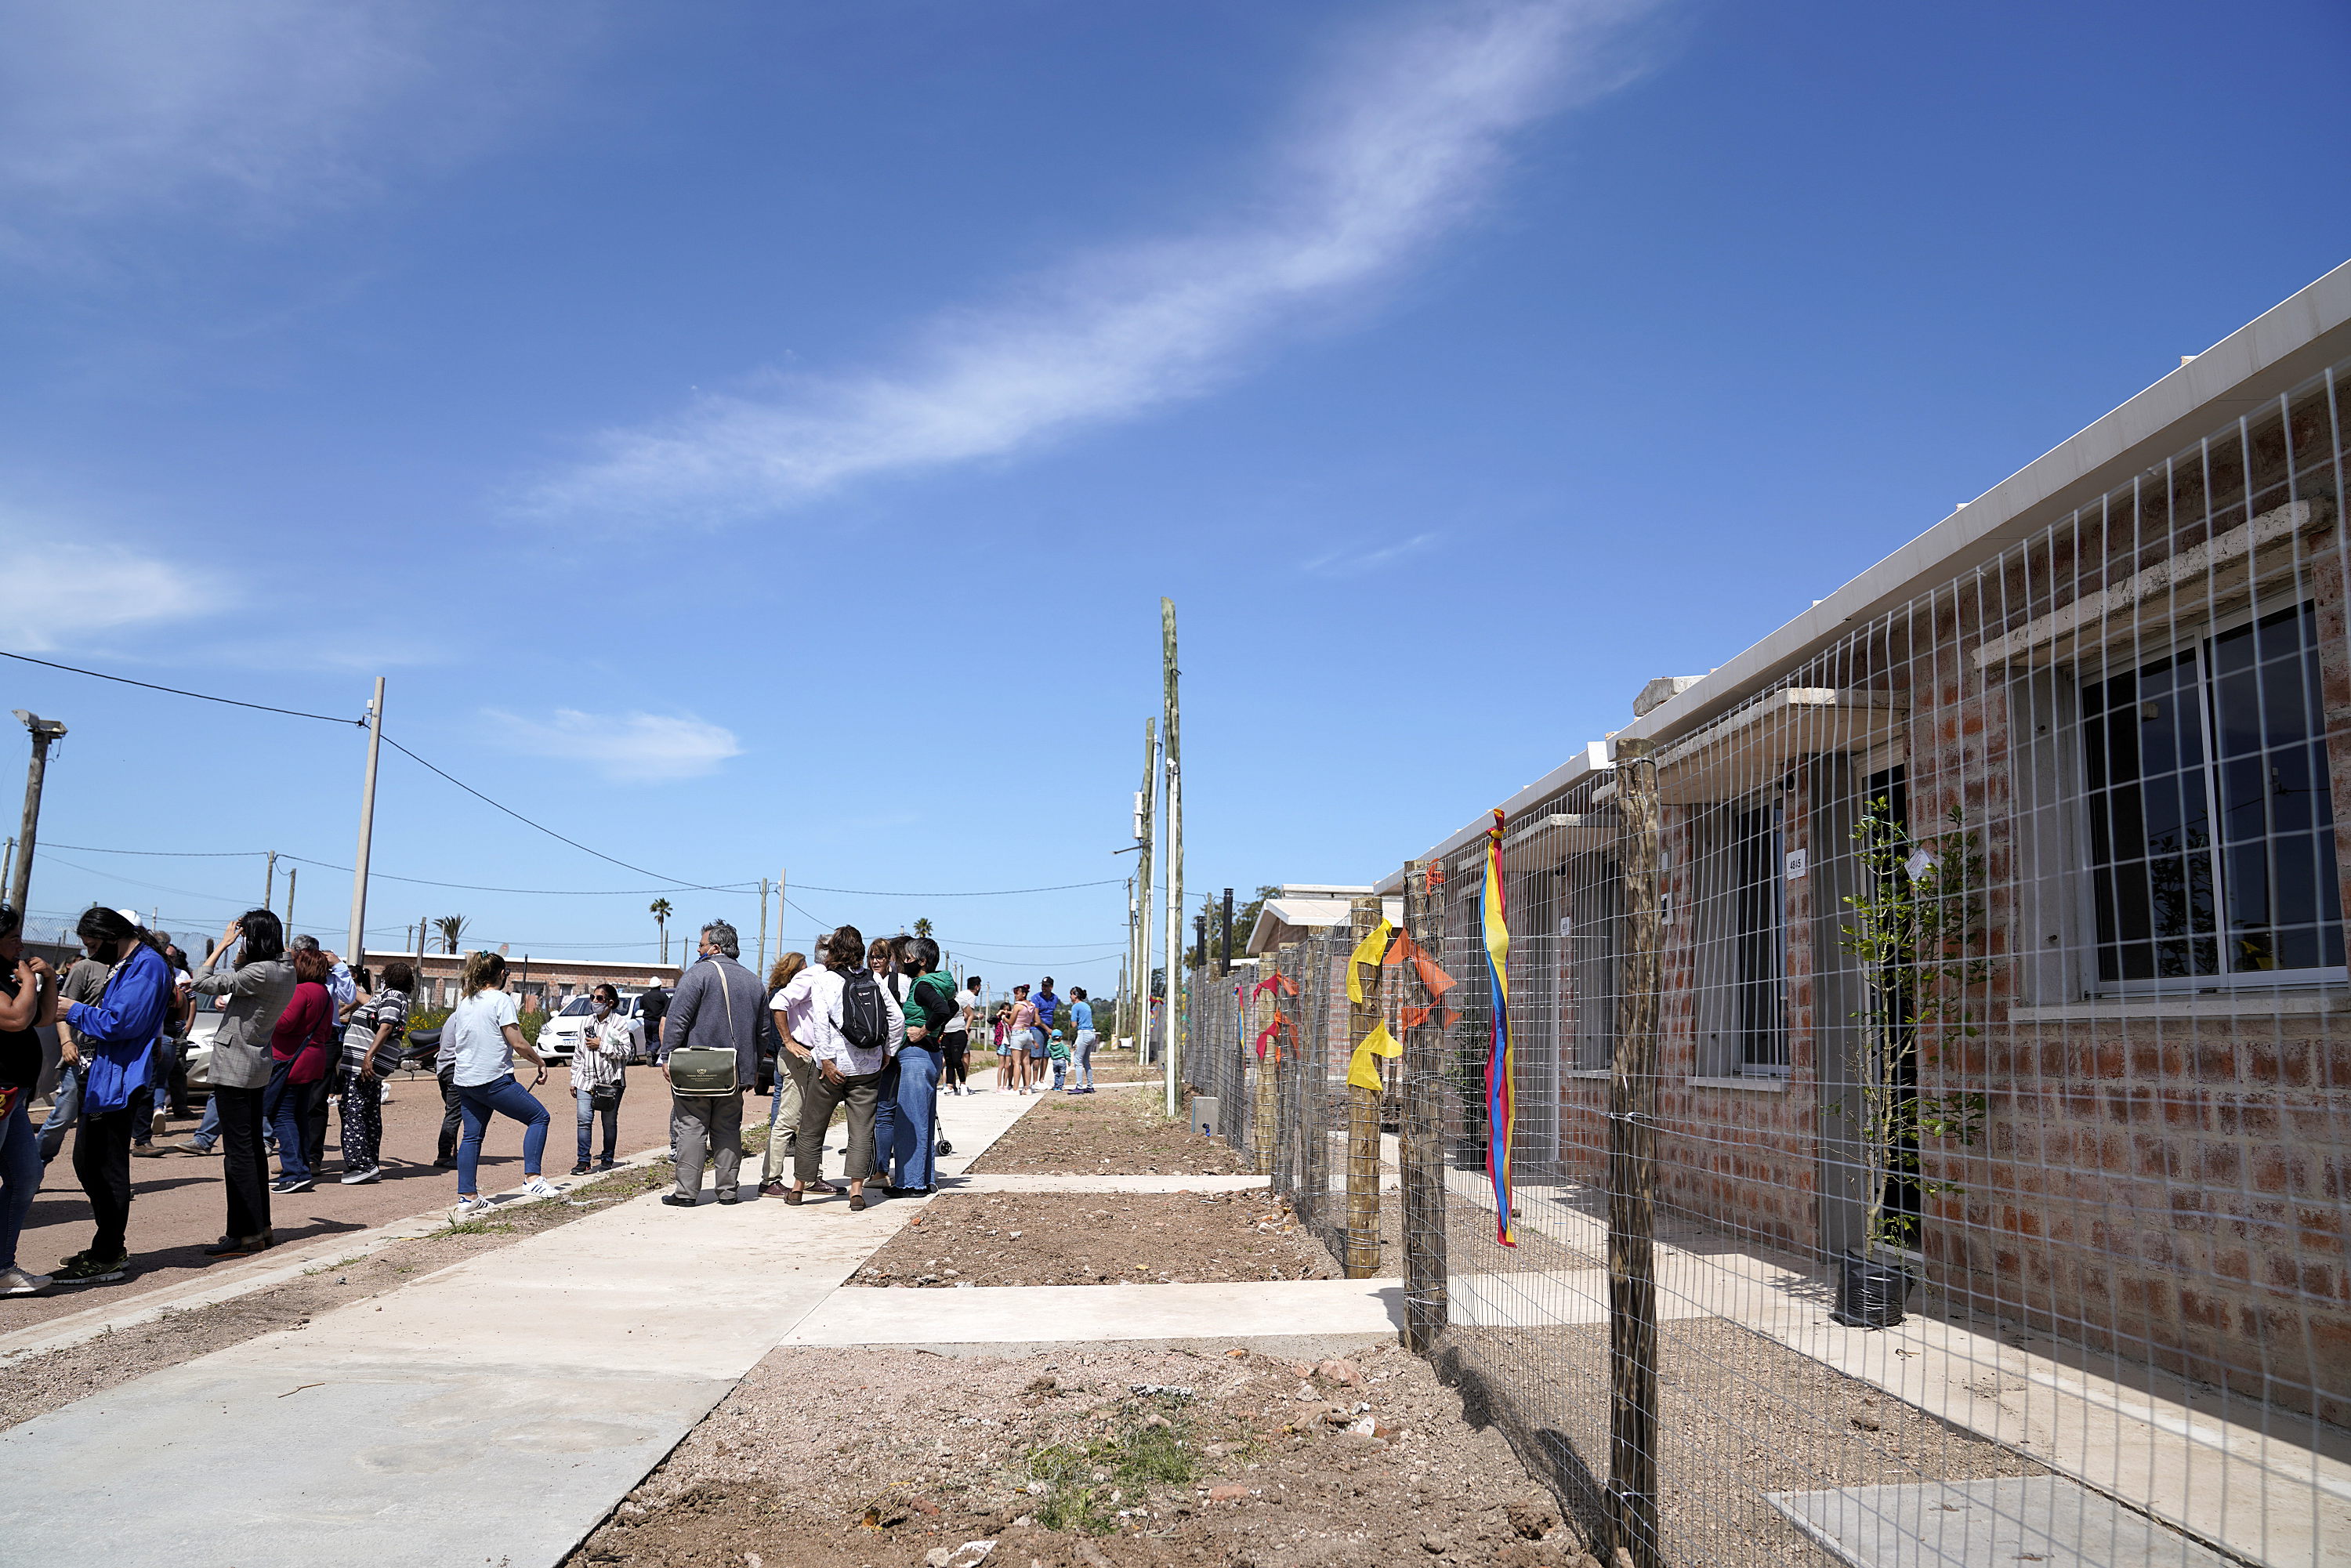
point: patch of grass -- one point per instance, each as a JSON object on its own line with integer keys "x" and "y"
{"x": 1089, "y": 1481}
{"x": 469, "y": 1227}
{"x": 337, "y": 1263}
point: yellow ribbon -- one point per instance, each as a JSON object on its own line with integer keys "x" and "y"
{"x": 1370, "y": 950}
{"x": 1361, "y": 1071}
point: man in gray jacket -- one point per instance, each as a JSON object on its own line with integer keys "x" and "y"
{"x": 718, "y": 1004}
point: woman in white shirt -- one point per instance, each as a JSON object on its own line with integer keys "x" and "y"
{"x": 809, "y": 1023}
{"x": 486, "y": 1039}
{"x": 600, "y": 1073}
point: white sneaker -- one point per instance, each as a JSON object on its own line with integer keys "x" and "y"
{"x": 16, "y": 1282}
{"x": 539, "y": 1186}
{"x": 361, "y": 1179}
{"x": 466, "y": 1207}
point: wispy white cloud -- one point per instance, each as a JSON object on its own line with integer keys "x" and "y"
{"x": 1356, "y": 559}
{"x": 1398, "y": 146}
{"x": 61, "y": 591}
{"x": 257, "y": 110}
{"x": 628, "y": 748}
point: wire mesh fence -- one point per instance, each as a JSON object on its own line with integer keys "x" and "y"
{"x": 1928, "y": 1079}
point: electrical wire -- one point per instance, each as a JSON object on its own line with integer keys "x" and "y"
{"x": 176, "y": 691}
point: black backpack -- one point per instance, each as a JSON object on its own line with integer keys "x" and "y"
{"x": 865, "y": 1017}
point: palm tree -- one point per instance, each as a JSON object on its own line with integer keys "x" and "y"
{"x": 453, "y": 930}
{"x": 922, "y": 927}
{"x": 660, "y": 910}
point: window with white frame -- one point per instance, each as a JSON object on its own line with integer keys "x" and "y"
{"x": 2211, "y": 831}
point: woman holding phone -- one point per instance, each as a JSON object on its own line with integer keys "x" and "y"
{"x": 488, "y": 1038}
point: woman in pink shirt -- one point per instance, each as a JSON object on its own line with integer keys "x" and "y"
{"x": 301, "y": 1049}
{"x": 1016, "y": 1037}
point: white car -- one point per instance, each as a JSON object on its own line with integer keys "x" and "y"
{"x": 560, "y": 1035}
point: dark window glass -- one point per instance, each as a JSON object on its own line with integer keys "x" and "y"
{"x": 1760, "y": 1002}
{"x": 2212, "y": 833}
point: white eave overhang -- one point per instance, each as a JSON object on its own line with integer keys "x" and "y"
{"x": 2244, "y": 373}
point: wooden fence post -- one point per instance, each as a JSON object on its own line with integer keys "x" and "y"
{"x": 1420, "y": 1092}
{"x": 1631, "y": 1192}
{"x": 1363, "y": 1106}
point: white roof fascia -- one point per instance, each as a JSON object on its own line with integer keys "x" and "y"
{"x": 2245, "y": 370}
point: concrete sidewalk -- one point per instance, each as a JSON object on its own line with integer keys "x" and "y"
{"x": 491, "y": 1413}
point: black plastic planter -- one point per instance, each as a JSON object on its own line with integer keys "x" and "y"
{"x": 1869, "y": 1295}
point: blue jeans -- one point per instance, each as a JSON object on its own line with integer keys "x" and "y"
{"x": 886, "y": 1121}
{"x": 910, "y": 1131}
{"x": 20, "y": 1175}
{"x": 588, "y": 1114}
{"x": 207, "y": 1130}
{"x": 507, "y": 1098}
{"x": 1060, "y": 1066}
{"x": 63, "y": 1114}
{"x": 297, "y": 1112}
{"x": 1083, "y": 1064}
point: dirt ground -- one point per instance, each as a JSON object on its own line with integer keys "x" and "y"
{"x": 1739, "y": 1415}
{"x": 1114, "y": 1134}
{"x": 1098, "y": 1238}
{"x": 36, "y": 1383}
{"x": 177, "y": 1210}
{"x": 1087, "y": 1457}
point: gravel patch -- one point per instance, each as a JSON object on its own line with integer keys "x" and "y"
{"x": 873, "y": 1457}
{"x": 1098, "y": 1238}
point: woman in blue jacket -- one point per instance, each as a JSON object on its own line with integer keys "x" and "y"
{"x": 118, "y": 1036}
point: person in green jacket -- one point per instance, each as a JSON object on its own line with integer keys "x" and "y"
{"x": 931, "y": 1008}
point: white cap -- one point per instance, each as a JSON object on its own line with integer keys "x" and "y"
{"x": 132, "y": 916}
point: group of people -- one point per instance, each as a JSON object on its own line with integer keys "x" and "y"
{"x": 877, "y": 1031}
{"x": 300, "y": 1032}
{"x": 1032, "y": 1030}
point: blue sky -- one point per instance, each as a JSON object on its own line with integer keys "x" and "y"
{"x": 758, "y": 435}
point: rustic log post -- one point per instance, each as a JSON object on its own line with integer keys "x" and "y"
{"x": 1631, "y": 1191}
{"x": 1363, "y": 1105}
{"x": 1420, "y": 1089}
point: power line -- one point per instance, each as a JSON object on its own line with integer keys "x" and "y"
{"x": 682, "y": 885}
{"x": 177, "y": 692}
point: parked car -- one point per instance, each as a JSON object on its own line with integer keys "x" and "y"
{"x": 560, "y": 1035}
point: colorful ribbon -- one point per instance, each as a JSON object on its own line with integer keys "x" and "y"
{"x": 1370, "y": 950}
{"x": 1501, "y": 1110}
{"x": 1361, "y": 1071}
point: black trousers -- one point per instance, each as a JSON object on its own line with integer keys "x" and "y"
{"x": 956, "y": 1071}
{"x": 451, "y": 1116}
{"x": 244, "y": 1161}
{"x": 102, "y": 1159}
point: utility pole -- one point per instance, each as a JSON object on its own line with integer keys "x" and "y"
{"x": 269, "y": 883}
{"x": 423, "y": 996}
{"x": 8, "y": 861}
{"x": 1225, "y": 964}
{"x": 763, "y": 929}
{"x": 1145, "y": 813}
{"x": 355, "y": 951}
{"x": 291, "y": 873}
{"x": 1173, "y": 773}
{"x": 1126, "y": 991}
{"x": 20, "y": 876}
